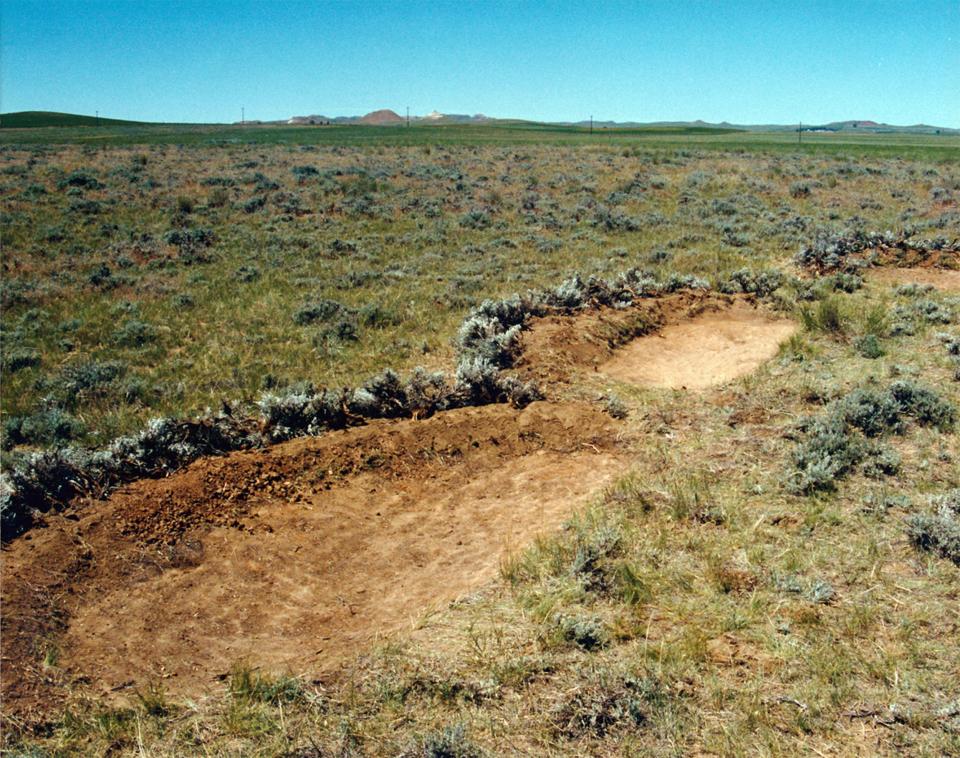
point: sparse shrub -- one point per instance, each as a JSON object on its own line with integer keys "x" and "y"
{"x": 218, "y": 198}
{"x": 78, "y": 381}
{"x": 85, "y": 207}
{"x": 845, "y": 281}
{"x": 319, "y": 310}
{"x": 932, "y": 312}
{"x": 302, "y": 173}
{"x": 102, "y": 277}
{"x": 375, "y": 316}
{"x": 872, "y": 412}
{"x": 869, "y": 346}
{"x": 913, "y": 289}
{"x": 938, "y": 531}
{"x": 343, "y": 330}
{"x": 616, "y": 407}
{"x": 605, "y": 703}
{"x": 476, "y": 219}
{"x": 451, "y": 742}
{"x": 923, "y": 404}
{"x": 821, "y": 592}
{"x": 192, "y": 244}
{"x": 199, "y": 237}
{"x": 830, "y": 447}
{"x": 45, "y": 427}
{"x": 80, "y": 178}
{"x": 832, "y": 252}
{"x": 760, "y": 283}
{"x": 483, "y": 337}
{"x": 254, "y": 204}
{"x": 880, "y": 460}
{"x": 586, "y": 632}
{"x": 247, "y": 274}
{"x": 17, "y": 359}
{"x": 134, "y": 333}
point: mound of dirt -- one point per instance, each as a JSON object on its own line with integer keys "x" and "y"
{"x": 940, "y": 278}
{"x": 709, "y": 349}
{"x": 908, "y": 257}
{"x": 294, "y": 557}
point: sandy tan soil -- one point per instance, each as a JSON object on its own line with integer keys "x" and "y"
{"x": 294, "y": 557}
{"x": 709, "y": 349}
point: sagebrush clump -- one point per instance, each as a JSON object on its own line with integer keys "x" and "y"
{"x": 842, "y": 438}
{"x": 938, "y": 530}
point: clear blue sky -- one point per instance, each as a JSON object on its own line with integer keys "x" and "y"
{"x": 746, "y": 62}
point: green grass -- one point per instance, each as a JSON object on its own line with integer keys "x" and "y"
{"x": 384, "y": 229}
{"x": 934, "y": 147}
{"x": 696, "y": 606}
{"x": 47, "y": 119}
{"x": 692, "y": 607}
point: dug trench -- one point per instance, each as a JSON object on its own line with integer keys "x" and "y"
{"x": 299, "y": 556}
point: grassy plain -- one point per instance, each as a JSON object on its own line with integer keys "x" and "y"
{"x": 697, "y": 606}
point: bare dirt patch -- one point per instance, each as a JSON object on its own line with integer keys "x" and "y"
{"x": 940, "y": 278}
{"x": 711, "y": 348}
{"x": 294, "y": 557}
{"x": 558, "y": 348}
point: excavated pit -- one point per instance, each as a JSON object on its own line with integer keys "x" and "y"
{"x": 299, "y": 556}
{"x": 709, "y": 349}
{"x": 687, "y": 341}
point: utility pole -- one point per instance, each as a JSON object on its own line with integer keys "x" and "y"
{"x": 243, "y": 115}
{"x": 800, "y": 133}
{"x": 408, "y": 115}
{"x": 591, "y": 123}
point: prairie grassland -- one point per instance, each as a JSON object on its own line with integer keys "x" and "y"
{"x": 724, "y": 597}
{"x": 159, "y": 280}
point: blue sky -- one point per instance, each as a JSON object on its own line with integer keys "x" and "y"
{"x": 744, "y": 62}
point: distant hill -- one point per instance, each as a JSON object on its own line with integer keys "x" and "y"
{"x": 382, "y": 117}
{"x": 34, "y": 119}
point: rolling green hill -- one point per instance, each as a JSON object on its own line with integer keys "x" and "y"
{"x": 34, "y": 119}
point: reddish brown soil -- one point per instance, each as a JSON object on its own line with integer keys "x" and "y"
{"x": 911, "y": 258}
{"x": 298, "y": 556}
{"x": 897, "y": 256}
{"x": 295, "y": 556}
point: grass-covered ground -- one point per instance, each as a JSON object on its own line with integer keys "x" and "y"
{"x": 160, "y": 280}
{"x": 53, "y": 119}
{"x": 726, "y": 596}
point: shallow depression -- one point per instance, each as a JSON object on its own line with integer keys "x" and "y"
{"x": 709, "y": 349}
